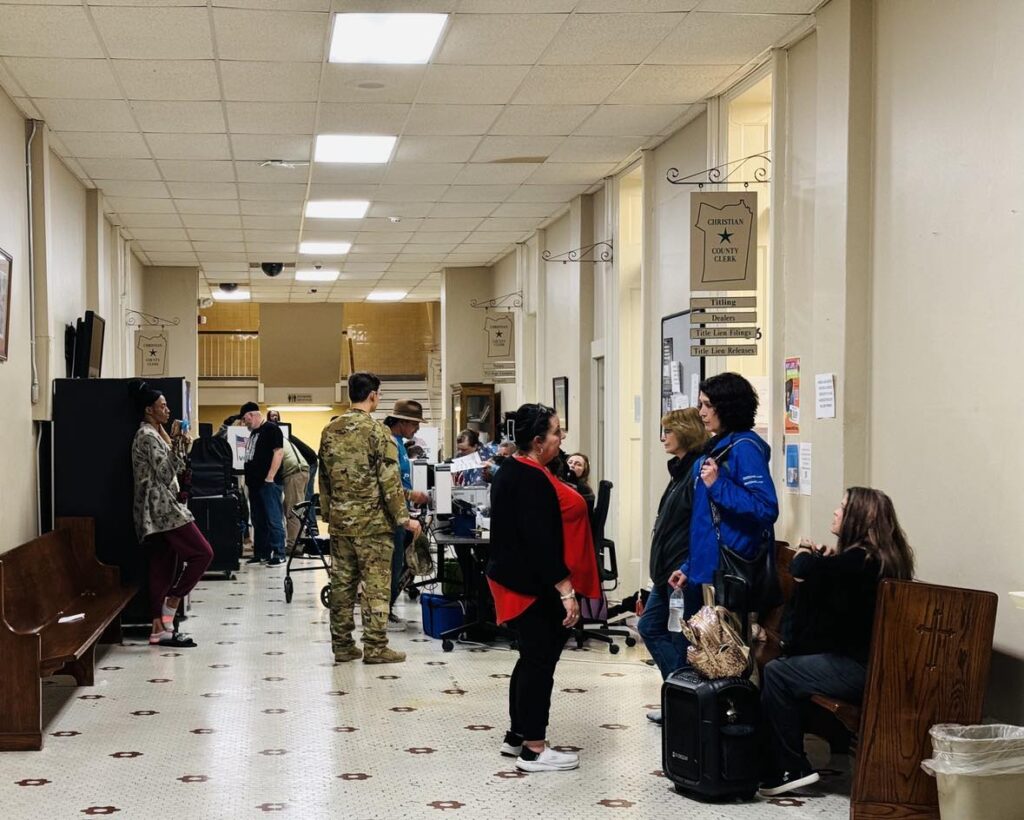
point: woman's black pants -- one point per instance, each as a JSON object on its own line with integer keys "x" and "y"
{"x": 541, "y": 638}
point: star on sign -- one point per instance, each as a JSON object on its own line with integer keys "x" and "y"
{"x": 725, "y": 236}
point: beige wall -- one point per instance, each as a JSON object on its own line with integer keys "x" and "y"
{"x": 300, "y": 345}
{"x": 171, "y": 293}
{"x": 17, "y": 434}
{"x": 946, "y": 384}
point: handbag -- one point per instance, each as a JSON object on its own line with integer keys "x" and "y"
{"x": 716, "y": 649}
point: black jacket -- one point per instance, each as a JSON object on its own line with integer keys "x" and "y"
{"x": 670, "y": 540}
{"x": 527, "y": 551}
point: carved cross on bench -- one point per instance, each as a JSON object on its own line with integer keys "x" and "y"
{"x": 938, "y": 634}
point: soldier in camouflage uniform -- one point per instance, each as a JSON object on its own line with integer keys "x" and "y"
{"x": 362, "y": 499}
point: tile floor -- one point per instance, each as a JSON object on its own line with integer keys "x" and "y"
{"x": 259, "y": 720}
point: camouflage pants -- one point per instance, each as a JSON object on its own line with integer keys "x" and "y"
{"x": 354, "y": 559}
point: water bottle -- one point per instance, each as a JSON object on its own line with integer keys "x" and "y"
{"x": 676, "y": 610}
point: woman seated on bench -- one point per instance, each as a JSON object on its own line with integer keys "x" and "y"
{"x": 827, "y": 627}
{"x": 162, "y": 522}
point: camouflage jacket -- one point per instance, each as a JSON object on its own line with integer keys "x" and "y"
{"x": 360, "y": 486}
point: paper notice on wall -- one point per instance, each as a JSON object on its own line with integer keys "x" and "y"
{"x": 792, "y": 468}
{"x": 805, "y": 468}
{"x": 792, "y": 396}
{"x": 676, "y": 377}
{"x": 680, "y": 401}
{"x": 825, "y": 396}
{"x": 694, "y": 389}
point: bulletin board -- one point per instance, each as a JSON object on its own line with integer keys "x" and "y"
{"x": 680, "y": 372}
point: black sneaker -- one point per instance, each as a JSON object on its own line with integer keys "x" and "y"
{"x": 275, "y": 560}
{"x": 790, "y": 781}
{"x": 255, "y": 560}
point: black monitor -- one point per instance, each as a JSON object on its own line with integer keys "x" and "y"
{"x": 89, "y": 346}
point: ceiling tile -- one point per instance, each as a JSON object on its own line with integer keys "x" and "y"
{"x": 501, "y": 148}
{"x": 77, "y": 79}
{"x": 262, "y": 223}
{"x": 87, "y": 115}
{"x": 255, "y": 207}
{"x": 451, "y": 119}
{"x": 280, "y": 192}
{"x": 471, "y": 84}
{"x": 127, "y": 188}
{"x": 321, "y": 191}
{"x": 495, "y": 174}
{"x": 596, "y": 149}
{"x": 206, "y": 206}
{"x": 519, "y": 223}
{"x": 536, "y": 120}
{"x": 445, "y": 224}
{"x": 271, "y": 117}
{"x": 439, "y": 237}
{"x": 260, "y": 147}
{"x": 478, "y": 193}
{"x": 179, "y": 117}
{"x": 168, "y": 79}
{"x": 609, "y": 39}
{"x": 165, "y": 246}
{"x": 362, "y": 118}
{"x": 551, "y": 85}
{"x": 426, "y": 173}
{"x": 494, "y": 236}
{"x": 141, "y": 206}
{"x": 121, "y": 169}
{"x": 203, "y": 190}
{"x": 253, "y": 171}
{"x": 498, "y": 39}
{"x": 264, "y": 237}
{"x": 404, "y": 210}
{"x": 197, "y": 170}
{"x": 330, "y": 173}
{"x": 371, "y": 83}
{"x": 435, "y": 149}
{"x": 25, "y": 105}
{"x": 409, "y": 193}
{"x": 105, "y": 145}
{"x": 462, "y": 209}
{"x": 189, "y": 146}
{"x": 214, "y": 235}
{"x": 396, "y": 238}
{"x": 546, "y": 193}
{"x": 521, "y": 6}
{"x": 230, "y": 221}
{"x": 172, "y": 258}
{"x": 157, "y": 233}
{"x": 47, "y": 31}
{"x": 538, "y": 210}
{"x": 206, "y": 247}
{"x": 278, "y": 36}
{"x": 222, "y": 256}
{"x": 709, "y": 39}
{"x": 631, "y": 120}
{"x": 574, "y": 173}
{"x": 155, "y": 33}
{"x": 143, "y": 221}
{"x": 762, "y": 6}
{"x": 263, "y": 81}
{"x": 289, "y": 5}
{"x": 663, "y": 84}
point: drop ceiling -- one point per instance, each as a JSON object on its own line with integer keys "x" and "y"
{"x": 171, "y": 107}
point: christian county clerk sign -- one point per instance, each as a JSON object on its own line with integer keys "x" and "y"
{"x": 723, "y": 241}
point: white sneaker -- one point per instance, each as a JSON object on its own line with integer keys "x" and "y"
{"x": 547, "y": 761}
{"x": 396, "y": 624}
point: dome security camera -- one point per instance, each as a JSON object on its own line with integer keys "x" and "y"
{"x": 272, "y": 268}
{"x": 228, "y": 287}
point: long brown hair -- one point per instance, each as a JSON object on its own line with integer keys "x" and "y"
{"x": 869, "y": 521}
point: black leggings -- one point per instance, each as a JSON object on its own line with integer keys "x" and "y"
{"x": 541, "y": 638}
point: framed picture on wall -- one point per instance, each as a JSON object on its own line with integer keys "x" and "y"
{"x": 6, "y": 262}
{"x": 560, "y": 384}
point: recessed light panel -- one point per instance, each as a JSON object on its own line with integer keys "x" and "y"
{"x": 230, "y": 295}
{"x": 359, "y": 149}
{"x": 337, "y": 208}
{"x": 324, "y": 248}
{"x": 387, "y": 296}
{"x": 316, "y": 275}
{"x": 385, "y": 38}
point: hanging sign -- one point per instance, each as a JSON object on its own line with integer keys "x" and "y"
{"x": 739, "y": 318}
{"x": 722, "y": 302}
{"x": 154, "y": 354}
{"x": 723, "y": 332}
{"x": 723, "y": 241}
{"x": 499, "y": 335}
{"x": 723, "y": 350}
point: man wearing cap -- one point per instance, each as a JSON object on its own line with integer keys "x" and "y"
{"x": 263, "y": 455}
{"x": 404, "y": 422}
{"x": 361, "y": 497}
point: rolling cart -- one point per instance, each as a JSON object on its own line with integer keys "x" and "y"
{"x": 307, "y": 544}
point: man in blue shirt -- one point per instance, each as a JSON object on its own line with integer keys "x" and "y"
{"x": 403, "y": 422}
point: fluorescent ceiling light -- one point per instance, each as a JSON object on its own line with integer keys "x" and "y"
{"x": 314, "y": 275}
{"x": 230, "y": 295}
{"x": 337, "y": 208}
{"x": 385, "y": 38}
{"x": 324, "y": 248}
{"x": 355, "y": 148}
{"x": 387, "y": 296}
{"x": 305, "y": 408}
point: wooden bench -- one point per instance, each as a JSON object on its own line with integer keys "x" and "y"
{"x": 51, "y": 577}
{"x": 930, "y": 652}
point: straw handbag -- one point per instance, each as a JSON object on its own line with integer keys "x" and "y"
{"x": 716, "y": 649}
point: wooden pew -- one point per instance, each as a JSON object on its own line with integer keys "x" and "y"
{"x": 930, "y": 652}
{"x": 48, "y": 578}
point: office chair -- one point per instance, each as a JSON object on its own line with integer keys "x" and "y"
{"x": 608, "y": 572}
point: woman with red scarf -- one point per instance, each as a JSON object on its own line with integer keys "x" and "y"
{"x": 542, "y": 558}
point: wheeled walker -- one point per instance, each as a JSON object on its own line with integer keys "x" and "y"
{"x": 307, "y": 544}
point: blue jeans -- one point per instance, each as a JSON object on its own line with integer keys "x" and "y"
{"x": 667, "y": 648}
{"x": 267, "y": 521}
{"x": 786, "y": 683}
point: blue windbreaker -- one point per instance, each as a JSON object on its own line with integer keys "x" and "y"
{"x": 745, "y": 496}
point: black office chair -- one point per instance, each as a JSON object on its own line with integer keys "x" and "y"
{"x": 608, "y": 572}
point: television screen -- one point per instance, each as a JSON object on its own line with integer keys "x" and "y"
{"x": 95, "y": 345}
{"x": 89, "y": 346}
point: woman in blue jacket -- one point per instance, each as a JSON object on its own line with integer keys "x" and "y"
{"x": 734, "y": 501}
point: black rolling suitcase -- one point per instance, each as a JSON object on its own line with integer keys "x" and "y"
{"x": 709, "y": 736}
{"x": 218, "y": 518}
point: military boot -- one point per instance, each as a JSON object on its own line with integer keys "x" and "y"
{"x": 383, "y": 655}
{"x": 348, "y": 653}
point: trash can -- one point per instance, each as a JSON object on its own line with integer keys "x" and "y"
{"x": 979, "y": 771}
